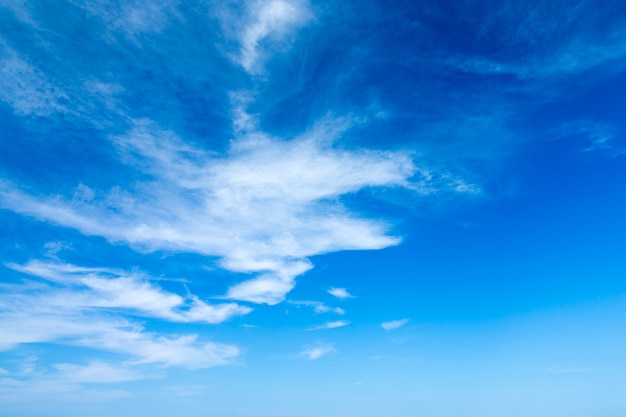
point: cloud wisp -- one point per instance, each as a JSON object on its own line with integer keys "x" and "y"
{"x": 330, "y": 325}
{"x": 264, "y": 208}
{"x": 265, "y": 29}
{"x": 319, "y": 307}
{"x": 341, "y": 293}
{"x": 101, "y": 288}
{"x": 316, "y": 352}
{"x": 394, "y": 324}
{"x": 88, "y": 307}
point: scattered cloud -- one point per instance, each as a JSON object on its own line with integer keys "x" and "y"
{"x": 540, "y": 48}
{"x": 88, "y": 307}
{"x": 330, "y": 325}
{"x": 89, "y": 288}
{"x": 319, "y": 307}
{"x": 265, "y": 29}
{"x": 395, "y": 324}
{"x": 596, "y": 136}
{"x": 132, "y": 18}
{"x": 96, "y": 372}
{"x": 316, "y": 352}
{"x": 339, "y": 293}
{"x": 26, "y": 89}
{"x": 264, "y": 208}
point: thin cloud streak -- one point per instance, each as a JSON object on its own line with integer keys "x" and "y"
{"x": 316, "y": 352}
{"x": 330, "y": 325}
{"x": 267, "y": 26}
{"x": 103, "y": 288}
{"x": 88, "y": 307}
{"x": 340, "y": 293}
{"x": 264, "y": 209}
{"x": 395, "y": 324}
{"x": 319, "y": 307}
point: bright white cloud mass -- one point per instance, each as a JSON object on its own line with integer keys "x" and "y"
{"x": 200, "y": 199}
{"x": 263, "y": 208}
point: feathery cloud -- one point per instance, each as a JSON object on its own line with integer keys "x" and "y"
{"x": 319, "y": 307}
{"x": 264, "y": 208}
{"x": 316, "y": 352}
{"x": 330, "y": 325}
{"x": 395, "y": 324}
{"x": 88, "y": 307}
{"x": 96, "y": 372}
{"x": 266, "y": 27}
{"x": 339, "y": 292}
{"x": 109, "y": 289}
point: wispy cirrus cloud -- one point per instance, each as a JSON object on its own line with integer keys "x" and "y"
{"x": 132, "y": 18}
{"x": 316, "y": 352}
{"x": 538, "y": 46}
{"x": 319, "y": 307}
{"x": 330, "y": 325}
{"x": 26, "y": 89}
{"x": 596, "y": 136}
{"x": 264, "y": 29}
{"x": 264, "y": 208}
{"x": 339, "y": 293}
{"x": 96, "y": 372}
{"x": 92, "y": 288}
{"x": 394, "y": 324}
{"x": 89, "y": 308}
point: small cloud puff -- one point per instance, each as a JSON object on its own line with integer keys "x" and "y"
{"x": 331, "y": 325}
{"x": 339, "y": 293}
{"x": 316, "y": 352}
{"x": 395, "y": 324}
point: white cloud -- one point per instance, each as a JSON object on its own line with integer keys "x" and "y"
{"x": 263, "y": 209}
{"x": 331, "y": 325}
{"x": 26, "y": 89}
{"x": 319, "y": 307}
{"x": 88, "y": 307}
{"x": 596, "y": 136}
{"x": 3, "y": 372}
{"x": 96, "y": 372}
{"x": 316, "y": 352}
{"x": 339, "y": 292}
{"x": 26, "y": 318}
{"x": 266, "y": 28}
{"x": 132, "y": 17}
{"x": 395, "y": 324}
{"x": 109, "y": 289}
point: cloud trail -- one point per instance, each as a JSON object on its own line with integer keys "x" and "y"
{"x": 395, "y": 324}
{"x": 264, "y": 208}
{"x": 316, "y": 352}
{"x": 340, "y": 293}
{"x": 330, "y": 325}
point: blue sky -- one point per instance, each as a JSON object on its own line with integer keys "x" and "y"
{"x": 293, "y": 208}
